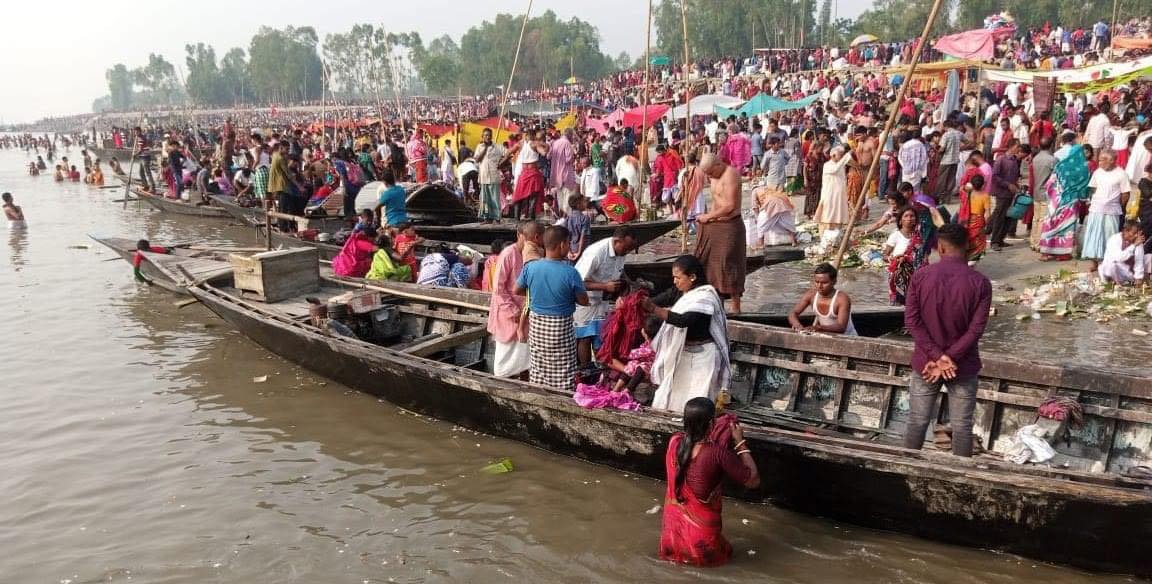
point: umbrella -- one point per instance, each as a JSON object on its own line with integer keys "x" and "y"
{"x": 660, "y": 60}
{"x": 571, "y": 81}
{"x": 864, "y": 39}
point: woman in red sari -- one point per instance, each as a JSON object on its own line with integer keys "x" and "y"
{"x": 697, "y": 462}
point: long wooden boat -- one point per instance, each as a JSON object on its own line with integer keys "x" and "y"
{"x": 823, "y": 416}
{"x": 179, "y": 207}
{"x": 870, "y": 321}
{"x": 176, "y": 271}
{"x": 658, "y": 270}
{"x": 486, "y": 233}
{"x": 248, "y": 215}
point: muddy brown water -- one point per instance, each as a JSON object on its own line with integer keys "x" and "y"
{"x": 138, "y": 448}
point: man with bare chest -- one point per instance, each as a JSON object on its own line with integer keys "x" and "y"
{"x": 721, "y": 245}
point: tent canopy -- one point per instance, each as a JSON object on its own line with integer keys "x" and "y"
{"x": 976, "y": 45}
{"x": 635, "y": 116}
{"x": 763, "y": 103}
{"x": 702, "y": 105}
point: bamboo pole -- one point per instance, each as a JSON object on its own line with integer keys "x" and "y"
{"x": 643, "y": 141}
{"x": 512, "y": 73}
{"x": 131, "y": 164}
{"x": 687, "y": 123}
{"x": 862, "y": 198}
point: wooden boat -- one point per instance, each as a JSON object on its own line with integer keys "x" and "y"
{"x": 177, "y": 271}
{"x": 870, "y": 321}
{"x": 658, "y": 270}
{"x": 248, "y": 215}
{"x": 179, "y": 207}
{"x": 486, "y": 233}
{"x": 822, "y": 415}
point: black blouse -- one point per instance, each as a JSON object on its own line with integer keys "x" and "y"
{"x": 696, "y": 323}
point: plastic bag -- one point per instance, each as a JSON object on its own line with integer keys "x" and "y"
{"x": 1029, "y": 445}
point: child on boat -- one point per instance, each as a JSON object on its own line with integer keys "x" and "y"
{"x": 638, "y": 367}
{"x": 406, "y": 242}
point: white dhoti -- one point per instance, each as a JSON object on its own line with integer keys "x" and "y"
{"x": 694, "y": 376}
{"x": 1122, "y": 273}
{"x": 776, "y": 227}
{"x": 510, "y": 359}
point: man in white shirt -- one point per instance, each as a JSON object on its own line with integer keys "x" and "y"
{"x": 1096, "y": 133}
{"x": 601, "y": 266}
{"x": 1124, "y": 259}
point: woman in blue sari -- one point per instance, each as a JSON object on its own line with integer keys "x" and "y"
{"x": 1066, "y": 189}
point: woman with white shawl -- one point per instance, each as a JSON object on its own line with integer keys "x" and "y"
{"x": 692, "y": 345}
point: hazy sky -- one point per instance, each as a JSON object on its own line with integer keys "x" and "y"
{"x": 55, "y": 54}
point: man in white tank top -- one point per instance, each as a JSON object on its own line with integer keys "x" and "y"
{"x": 833, "y": 308}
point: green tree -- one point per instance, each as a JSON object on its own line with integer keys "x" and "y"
{"x": 825, "y": 24}
{"x": 158, "y": 77}
{"x": 719, "y": 28}
{"x": 234, "y": 75}
{"x": 205, "y": 84}
{"x": 553, "y": 50}
{"x": 119, "y": 87}
{"x": 283, "y": 64}
{"x": 439, "y": 64}
{"x": 901, "y": 20}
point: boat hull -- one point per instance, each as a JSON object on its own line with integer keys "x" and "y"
{"x": 482, "y": 234}
{"x": 1089, "y": 526}
{"x": 166, "y": 205}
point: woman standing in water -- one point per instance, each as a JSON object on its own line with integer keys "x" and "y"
{"x": 698, "y": 460}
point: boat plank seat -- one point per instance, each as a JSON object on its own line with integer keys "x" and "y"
{"x": 444, "y": 342}
{"x": 442, "y": 314}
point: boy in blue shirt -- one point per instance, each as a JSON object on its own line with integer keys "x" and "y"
{"x": 554, "y": 289}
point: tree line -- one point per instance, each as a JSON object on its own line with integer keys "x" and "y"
{"x": 366, "y": 61}
{"x": 724, "y": 28}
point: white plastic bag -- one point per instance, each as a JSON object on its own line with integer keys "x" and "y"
{"x": 1029, "y": 445}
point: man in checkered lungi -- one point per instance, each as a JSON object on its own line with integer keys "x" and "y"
{"x": 554, "y": 289}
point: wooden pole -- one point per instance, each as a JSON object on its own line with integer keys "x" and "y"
{"x": 643, "y": 141}
{"x": 1115, "y": 17}
{"x": 512, "y": 73}
{"x": 862, "y": 198}
{"x": 131, "y": 165}
{"x": 687, "y": 123}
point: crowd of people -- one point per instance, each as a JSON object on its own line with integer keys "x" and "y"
{"x": 957, "y": 178}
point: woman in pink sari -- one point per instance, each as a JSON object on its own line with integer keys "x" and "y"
{"x": 698, "y": 459}
{"x": 355, "y": 258}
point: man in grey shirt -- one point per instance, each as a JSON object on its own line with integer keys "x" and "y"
{"x": 950, "y": 146}
{"x": 774, "y": 165}
{"x": 1043, "y": 163}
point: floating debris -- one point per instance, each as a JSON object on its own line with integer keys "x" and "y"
{"x": 499, "y": 467}
{"x": 260, "y": 379}
{"x": 654, "y": 510}
{"x": 1072, "y": 295}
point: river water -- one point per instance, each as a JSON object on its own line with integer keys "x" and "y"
{"x": 138, "y": 447}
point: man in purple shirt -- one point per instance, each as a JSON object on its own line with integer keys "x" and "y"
{"x": 1005, "y": 176}
{"x": 946, "y": 311}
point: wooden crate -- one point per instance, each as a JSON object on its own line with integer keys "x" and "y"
{"x": 277, "y": 275}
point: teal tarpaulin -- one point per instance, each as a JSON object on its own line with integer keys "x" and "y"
{"x": 763, "y": 103}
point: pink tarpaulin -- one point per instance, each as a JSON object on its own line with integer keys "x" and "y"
{"x": 973, "y": 45}
{"x": 602, "y": 125}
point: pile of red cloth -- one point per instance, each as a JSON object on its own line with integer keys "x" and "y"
{"x": 621, "y": 332}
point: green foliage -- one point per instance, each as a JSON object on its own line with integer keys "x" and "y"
{"x": 204, "y": 84}
{"x": 283, "y": 64}
{"x": 553, "y": 50}
{"x": 721, "y": 28}
{"x": 369, "y": 60}
{"x": 119, "y": 87}
{"x": 234, "y": 75}
{"x": 159, "y": 77}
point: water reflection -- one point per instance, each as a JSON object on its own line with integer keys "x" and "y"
{"x": 18, "y": 242}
